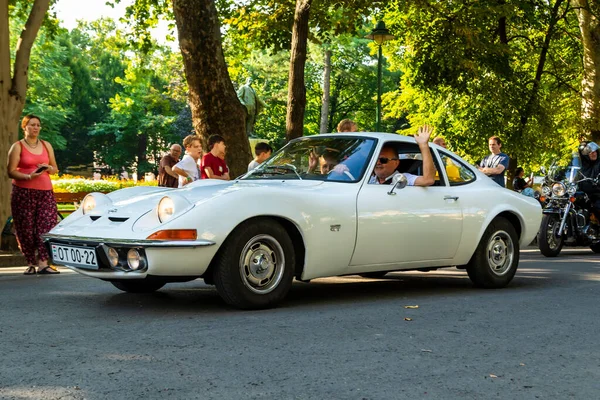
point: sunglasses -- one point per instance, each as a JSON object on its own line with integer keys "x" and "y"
{"x": 385, "y": 160}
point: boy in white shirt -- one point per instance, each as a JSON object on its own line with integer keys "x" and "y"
{"x": 187, "y": 168}
{"x": 263, "y": 151}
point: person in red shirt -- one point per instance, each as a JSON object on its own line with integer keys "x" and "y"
{"x": 213, "y": 164}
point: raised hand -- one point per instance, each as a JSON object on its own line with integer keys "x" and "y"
{"x": 423, "y": 134}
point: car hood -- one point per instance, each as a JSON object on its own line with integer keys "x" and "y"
{"x": 139, "y": 200}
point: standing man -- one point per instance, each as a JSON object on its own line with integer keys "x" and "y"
{"x": 254, "y": 105}
{"x": 495, "y": 164}
{"x": 213, "y": 163}
{"x": 187, "y": 168}
{"x": 166, "y": 176}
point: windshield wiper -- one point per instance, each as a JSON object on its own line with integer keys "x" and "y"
{"x": 285, "y": 167}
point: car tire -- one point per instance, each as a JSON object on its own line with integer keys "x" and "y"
{"x": 495, "y": 261}
{"x": 548, "y": 243}
{"x": 255, "y": 266}
{"x": 138, "y": 286}
{"x": 373, "y": 275}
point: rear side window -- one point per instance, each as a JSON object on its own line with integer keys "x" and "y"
{"x": 456, "y": 171}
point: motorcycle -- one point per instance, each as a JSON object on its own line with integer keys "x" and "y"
{"x": 568, "y": 218}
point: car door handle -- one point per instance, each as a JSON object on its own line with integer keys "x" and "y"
{"x": 451, "y": 198}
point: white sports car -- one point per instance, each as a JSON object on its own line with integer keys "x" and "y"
{"x": 307, "y": 212}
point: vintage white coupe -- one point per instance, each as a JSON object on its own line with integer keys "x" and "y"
{"x": 288, "y": 219}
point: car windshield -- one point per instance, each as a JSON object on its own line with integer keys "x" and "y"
{"x": 337, "y": 159}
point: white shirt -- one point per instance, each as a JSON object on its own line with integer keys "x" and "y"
{"x": 189, "y": 165}
{"x": 410, "y": 178}
{"x": 253, "y": 164}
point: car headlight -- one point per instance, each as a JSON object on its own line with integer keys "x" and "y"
{"x": 134, "y": 259}
{"x": 113, "y": 257}
{"x": 94, "y": 201}
{"x": 559, "y": 189}
{"x": 88, "y": 204}
{"x": 166, "y": 209}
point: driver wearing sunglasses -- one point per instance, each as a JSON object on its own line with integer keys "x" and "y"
{"x": 388, "y": 162}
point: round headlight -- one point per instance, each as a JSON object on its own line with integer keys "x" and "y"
{"x": 88, "y": 204}
{"x": 113, "y": 257}
{"x": 572, "y": 189}
{"x": 558, "y": 189}
{"x": 166, "y": 209}
{"x": 134, "y": 259}
{"x": 546, "y": 190}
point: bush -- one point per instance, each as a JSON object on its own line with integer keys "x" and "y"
{"x": 74, "y": 184}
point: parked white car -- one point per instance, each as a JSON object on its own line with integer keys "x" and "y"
{"x": 251, "y": 236}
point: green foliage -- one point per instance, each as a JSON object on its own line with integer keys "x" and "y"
{"x": 472, "y": 70}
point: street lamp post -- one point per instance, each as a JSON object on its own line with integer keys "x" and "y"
{"x": 379, "y": 35}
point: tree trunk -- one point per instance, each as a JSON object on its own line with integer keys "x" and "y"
{"x": 142, "y": 158}
{"x": 326, "y": 87}
{"x": 587, "y": 14}
{"x": 213, "y": 100}
{"x": 294, "y": 121}
{"x": 13, "y": 90}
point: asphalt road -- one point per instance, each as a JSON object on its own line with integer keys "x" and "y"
{"x": 72, "y": 337}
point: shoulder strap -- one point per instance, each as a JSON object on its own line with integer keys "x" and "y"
{"x": 46, "y": 146}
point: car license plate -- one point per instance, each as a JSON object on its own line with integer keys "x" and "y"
{"x": 83, "y": 257}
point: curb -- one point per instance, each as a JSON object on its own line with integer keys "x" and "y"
{"x": 12, "y": 260}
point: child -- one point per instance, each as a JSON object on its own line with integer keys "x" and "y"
{"x": 263, "y": 151}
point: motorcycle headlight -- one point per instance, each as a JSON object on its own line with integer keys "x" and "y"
{"x": 546, "y": 190}
{"x": 571, "y": 189}
{"x": 166, "y": 209}
{"x": 559, "y": 189}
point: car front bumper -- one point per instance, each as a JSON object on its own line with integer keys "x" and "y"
{"x": 161, "y": 257}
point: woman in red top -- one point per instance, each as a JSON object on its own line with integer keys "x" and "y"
{"x": 30, "y": 163}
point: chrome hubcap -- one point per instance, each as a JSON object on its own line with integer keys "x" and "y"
{"x": 262, "y": 263}
{"x": 500, "y": 251}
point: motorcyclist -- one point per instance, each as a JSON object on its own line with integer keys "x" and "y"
{"x": 590, "y": 168}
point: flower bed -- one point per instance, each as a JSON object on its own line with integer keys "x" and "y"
{"x": 68, "y": 184}
{"x": 70, "y": 189}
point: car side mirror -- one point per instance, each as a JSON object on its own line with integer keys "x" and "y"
{"x": 399, "y": 181}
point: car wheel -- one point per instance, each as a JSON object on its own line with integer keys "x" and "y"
{"x": 549, "y": 244}
{"x": 374, "y": 275}
{"x": 138, "y": 286}
{"x": 255, "y": 266}
{"x": 496, "y": 258}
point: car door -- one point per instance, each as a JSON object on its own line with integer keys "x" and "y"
{"x": 414, "y": 224}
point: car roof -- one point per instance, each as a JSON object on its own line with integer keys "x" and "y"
{"x": 373, "y": 135}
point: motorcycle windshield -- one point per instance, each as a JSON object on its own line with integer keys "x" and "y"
{"x": 570, "y": 173}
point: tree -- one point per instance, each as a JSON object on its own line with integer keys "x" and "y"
{"x": 213, "y": 100}
{"x": 13, "y": 86}
{"x": 589, "y": 23}
{"x": 494, "y": 67}
{"x": 296, "y": 89}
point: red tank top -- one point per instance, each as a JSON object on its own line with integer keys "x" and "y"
{"x": 28, "y": 163}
